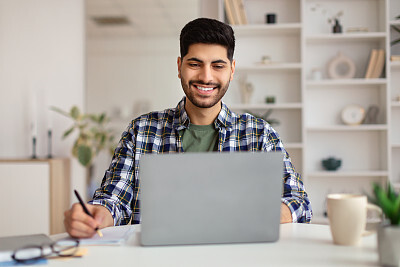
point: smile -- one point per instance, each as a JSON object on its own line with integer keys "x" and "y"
{"x": 205, "y": 88}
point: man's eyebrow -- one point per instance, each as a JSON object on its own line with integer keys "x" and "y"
{"x": 201, "y": 61}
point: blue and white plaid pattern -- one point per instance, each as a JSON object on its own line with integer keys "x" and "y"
{"x": 158, "y": 132}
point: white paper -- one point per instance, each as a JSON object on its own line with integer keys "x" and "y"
{"x": 116, "y": 235}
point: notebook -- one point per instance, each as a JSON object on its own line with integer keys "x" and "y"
{"x": 210, "y": 198}
{"x": 9, "y": 244}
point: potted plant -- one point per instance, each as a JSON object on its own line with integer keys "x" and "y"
{"x": 389, "y": 231}
{"x": 93, "y": 137}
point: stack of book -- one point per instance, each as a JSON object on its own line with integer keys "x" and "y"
{"x": 376, "y": 64}
{"x": 235, "y": 12}
{"x": 395, "y": 58}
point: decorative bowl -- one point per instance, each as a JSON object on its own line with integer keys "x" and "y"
{"x": 331, "y": 164}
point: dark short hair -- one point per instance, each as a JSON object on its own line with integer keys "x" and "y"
{"x": 207, "y": 31}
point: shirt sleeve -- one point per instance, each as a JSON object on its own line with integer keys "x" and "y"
{"x": 116, "y": 192}
{"x": 294, "y": 194}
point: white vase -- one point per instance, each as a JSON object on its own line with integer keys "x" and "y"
{"x": 389, "y": 245}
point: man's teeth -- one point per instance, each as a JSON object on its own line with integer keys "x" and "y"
{"x": 205, "y": 88}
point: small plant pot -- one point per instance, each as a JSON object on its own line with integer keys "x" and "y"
{"x": 389, "y": 244}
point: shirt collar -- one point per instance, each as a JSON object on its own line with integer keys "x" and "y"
{"x": 182, "y": 121}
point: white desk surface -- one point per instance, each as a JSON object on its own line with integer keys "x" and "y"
{"x": 299, "y": 245}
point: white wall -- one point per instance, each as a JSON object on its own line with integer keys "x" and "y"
{"x": 42, "y": 50}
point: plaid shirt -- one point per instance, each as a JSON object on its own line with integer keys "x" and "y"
{"x": 158, "y": 132}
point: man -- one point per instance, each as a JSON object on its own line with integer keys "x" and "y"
{"x": 200, "y": 122}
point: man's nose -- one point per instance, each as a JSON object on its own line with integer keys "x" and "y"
{"x": 205, "y": 74}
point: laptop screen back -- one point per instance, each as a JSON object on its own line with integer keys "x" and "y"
{"x": 206, "y": 198}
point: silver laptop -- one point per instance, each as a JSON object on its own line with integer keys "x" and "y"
{"x": 209, "y": 198}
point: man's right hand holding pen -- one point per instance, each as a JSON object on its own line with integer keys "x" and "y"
{"x": 81, "y": 225}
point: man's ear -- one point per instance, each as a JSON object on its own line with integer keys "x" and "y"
{"x": 233, "y": 68}
{"x": 179, "y": 62}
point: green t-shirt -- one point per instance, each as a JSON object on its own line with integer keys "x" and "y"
{"x": 199, "y": 138}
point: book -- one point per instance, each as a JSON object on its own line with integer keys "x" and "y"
{"x": 371, "y": 64}
{"x": 380, "y": 62}
{"x": 242, "y": 12}
{"x": 229, "y": 12}
{"x": 395, "y": 58}
{"x": 236, "y": 11}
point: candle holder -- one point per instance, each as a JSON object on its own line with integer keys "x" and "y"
{"x": 34, "y": 147}
{"x": 49, "y": 138}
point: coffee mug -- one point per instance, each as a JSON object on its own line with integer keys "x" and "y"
{"x": 347, "y": 215}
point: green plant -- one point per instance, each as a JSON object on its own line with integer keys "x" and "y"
{"x": 389, "y": 201}
{"x": 93, "y": 135}
{"x": 397, "y": 29}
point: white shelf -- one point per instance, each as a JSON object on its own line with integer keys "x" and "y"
{"x": 395, "y": 64}
{"x": 395, "y": 22}
{"x": 356, "y": 81}
{"x": 328, "y": 174}
{"x": 293, "y": 145}
{"x": 364, "y": 127}
{"x": 267, "y": 106}
{"x": 364, "y": 36}
{"x": 251, "y": 29}
{"x": 270, "y": 66}
{"x": 396, "y": 146}
{"x": 395, "y": 104}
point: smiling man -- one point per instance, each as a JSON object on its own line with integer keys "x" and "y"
{"x": 201, "y": 122}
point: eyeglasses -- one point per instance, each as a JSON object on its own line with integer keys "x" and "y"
{"x": 61, "y": 248}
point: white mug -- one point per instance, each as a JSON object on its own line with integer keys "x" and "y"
{"x": 347, "y": 215}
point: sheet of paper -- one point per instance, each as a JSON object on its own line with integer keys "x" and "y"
{"x": 115, "y": 235}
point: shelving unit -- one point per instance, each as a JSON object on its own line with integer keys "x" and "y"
{"x": 309, "y": 110}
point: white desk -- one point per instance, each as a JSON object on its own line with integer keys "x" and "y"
{"x": 299, "y": 245}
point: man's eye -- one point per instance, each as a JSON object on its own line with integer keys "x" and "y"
{"x": 219, "y": 66}
{"x": 193, "y": 64}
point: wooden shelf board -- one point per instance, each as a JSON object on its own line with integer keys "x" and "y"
{"x": 395, "y": 64}
{"x": 362, "y": 36}
{"x": 279, "y": 28}
{"x": 293, "y": 145}
{"x": 363, "y": 127}
{"x": 270, "y": 66}
{"x": 339, "y": 173}
{"x": 267, "y": 106}
{"x": 394, "y": 22}
{"x": 355, "y": 81}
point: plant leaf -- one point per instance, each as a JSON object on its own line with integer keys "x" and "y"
{"x": 392, "y": 43}
{"x": 84, "y": 155}
{"x": 68, "y": 132}
{"x": 383, "y": 201}
{"x": 60, "y": 111}
{"x": 396, "y": 28}
{"x": 75, "y": 113}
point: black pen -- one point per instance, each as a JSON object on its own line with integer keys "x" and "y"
{"x": 87, "y": 211}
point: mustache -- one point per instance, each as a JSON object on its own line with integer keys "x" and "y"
{"x": 204, "y": 83}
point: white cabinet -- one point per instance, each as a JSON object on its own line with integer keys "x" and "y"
{"x": 309, "y": 110}
{"x": 34, "y": 196}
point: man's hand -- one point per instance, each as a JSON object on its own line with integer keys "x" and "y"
{"x": 80, "y": 225}
{"x": 286, "y": 215}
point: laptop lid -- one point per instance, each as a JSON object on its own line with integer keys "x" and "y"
{"x": 207, "y": 198}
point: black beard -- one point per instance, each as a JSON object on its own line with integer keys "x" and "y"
{"x": 221, "y": 93}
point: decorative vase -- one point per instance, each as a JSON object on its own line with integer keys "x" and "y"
{"x": 389, "y": 244}
{"x": 337, "y": 28}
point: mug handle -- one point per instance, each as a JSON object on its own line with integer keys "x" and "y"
{"x": 379, "y": 211}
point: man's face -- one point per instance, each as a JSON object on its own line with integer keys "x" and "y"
{"x": 205, "y": 73}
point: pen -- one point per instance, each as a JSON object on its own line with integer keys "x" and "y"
{"x": 86, "y": 211}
